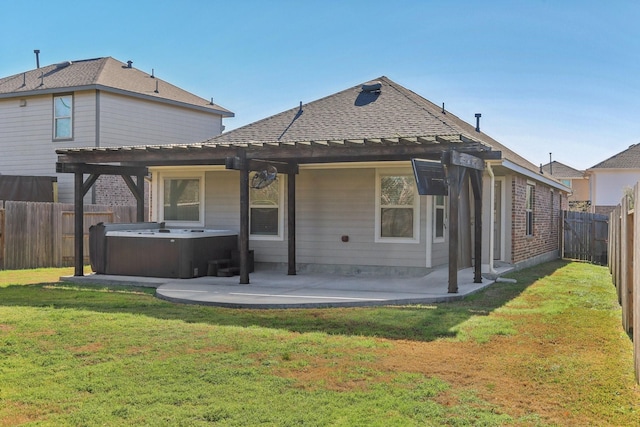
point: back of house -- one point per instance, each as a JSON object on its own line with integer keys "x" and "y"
{"x": 344, "y": 198}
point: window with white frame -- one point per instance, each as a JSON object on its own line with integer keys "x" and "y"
{"x": 439, "y": 218}
{"x": 529, "y": 208}
{"x": 265, "y": 211}
{"x": 397, "y": 207}
{"x": 182, "y": 200}
{"x": 63, "y": 117}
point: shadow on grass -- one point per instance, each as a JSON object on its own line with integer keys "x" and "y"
{"x": 411, "y": 322}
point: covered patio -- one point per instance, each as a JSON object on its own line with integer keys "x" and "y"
{"x": 377, "y": 123}
{"x": 461, "y": 156}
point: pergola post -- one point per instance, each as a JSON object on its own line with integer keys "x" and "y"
{"x": 78, "y": 224}
{"x": 291, "y": 222}
{"x": 456, "y": 176}
{"x": 244, "y": 218}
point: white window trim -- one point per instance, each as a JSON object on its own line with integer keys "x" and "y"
{"x": 444, "y": 219}
{"x": 54, "y": 117}
{"x": 280, "y": 235}
{"x": 160, "y": 204}
{"x": 416, "y": 209}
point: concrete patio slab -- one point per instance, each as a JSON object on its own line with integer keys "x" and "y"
{"x": 271, "y": 289}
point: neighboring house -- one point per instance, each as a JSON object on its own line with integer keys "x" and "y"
{"x": 576, "y": 180}
{"x": 345, "y": 198}
{"x": 98, "y": 102}
{"x": 610, "y": 179}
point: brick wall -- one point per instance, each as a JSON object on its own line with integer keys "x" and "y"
{"x": 111, "y": 190}
{"x": 547, "y": 207}
{"x": 603, "y": 210}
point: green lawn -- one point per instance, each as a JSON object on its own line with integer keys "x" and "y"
{"x": 548, "y": 350}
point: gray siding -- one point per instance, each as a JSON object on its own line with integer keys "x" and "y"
{"x": 29, "y": 149}
{"x": 26, "y": 137}
{"x": 131, "y": 121}
{"x": 331, "y": 203}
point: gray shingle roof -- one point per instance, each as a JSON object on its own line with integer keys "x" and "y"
{"x": 627, "y": 159}
{"x": 355, "y": 114}
{"x": 560, "y": 170}
{"x": 105, "y": 74}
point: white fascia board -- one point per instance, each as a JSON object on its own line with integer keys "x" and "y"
{"x": 530, "y": 174}
{"x": 110, "y": 89}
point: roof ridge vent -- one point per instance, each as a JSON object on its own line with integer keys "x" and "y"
{"x": 62, "y": 65}
{"x": 372, "y": 87}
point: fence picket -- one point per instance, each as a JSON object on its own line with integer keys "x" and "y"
{"x": 624, "y": 256}
{"x": 585, "y": 237}
{"x": 32, "y": 233}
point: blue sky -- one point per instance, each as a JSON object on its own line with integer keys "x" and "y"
{"x": 557, "y": 76}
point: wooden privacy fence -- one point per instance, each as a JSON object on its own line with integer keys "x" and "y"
{"x": 585, "y": 237}
{"x": 624, "y": 254}
{"x": 35, "y": 234}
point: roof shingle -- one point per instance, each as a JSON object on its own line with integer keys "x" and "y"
{"x": 627, "y": 159}
{"x": 354, "y": 113}
{"x": 560, "y": 170}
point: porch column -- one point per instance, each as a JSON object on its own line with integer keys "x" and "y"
{"x": 78, "y": 233}
{"x": 291, "y": 222}
{"x": 244, "y": 219}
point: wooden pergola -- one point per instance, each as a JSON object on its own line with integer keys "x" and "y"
{"x": 462, "y": 157}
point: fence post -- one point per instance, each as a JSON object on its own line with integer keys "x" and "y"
{"x": 635, "y": 289}
{"x": 2, "y": 240}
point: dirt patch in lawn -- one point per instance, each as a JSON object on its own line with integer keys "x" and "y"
{"x": 493, "y": 371}
{"x": 517, "y": 374}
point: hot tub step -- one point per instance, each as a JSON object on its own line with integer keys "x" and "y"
{"x": 214, "y": 267}
{"x": 228, "y": 271}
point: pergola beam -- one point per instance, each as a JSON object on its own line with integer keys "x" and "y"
{"x": 302, "y": 152}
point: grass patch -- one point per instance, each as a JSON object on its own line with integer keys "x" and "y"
{"x": 548, "y": 350}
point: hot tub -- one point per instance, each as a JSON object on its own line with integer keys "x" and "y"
{"x": 155, "y": 251}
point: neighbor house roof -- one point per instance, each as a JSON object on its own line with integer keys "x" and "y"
{"x": 390, "y": 112}
{"x": 627, "y": 159}
{"x": 107, "y": 74}
{"x": 560, "y": 170}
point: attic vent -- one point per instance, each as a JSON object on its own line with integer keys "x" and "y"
{"x": 64, "y": 64}
{"x": 372, "y": 87}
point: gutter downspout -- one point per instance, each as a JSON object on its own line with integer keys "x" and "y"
{"x": 492, "y": 207}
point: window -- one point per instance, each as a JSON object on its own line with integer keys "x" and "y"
{"x": 181, "y": 200}
{"x": 397, "y": 213}
{"x": 529, "y": 208}
{"x": 566, "y": 182}
{"x": 552, "y": 212}
{"x": 439, "y": 219}
{"x": 265, "y": 210}
{"x": 62, "y": 117}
